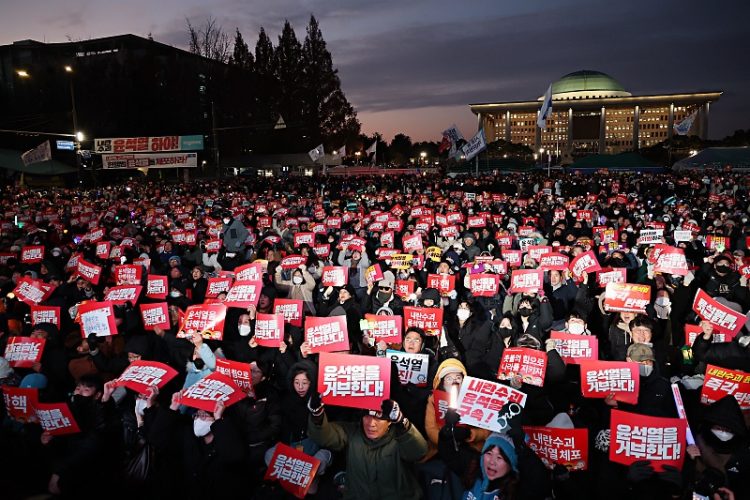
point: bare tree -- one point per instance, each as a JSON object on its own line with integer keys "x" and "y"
{"x": 209, "y": 40}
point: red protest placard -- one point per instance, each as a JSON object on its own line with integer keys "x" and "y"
{"x": 626, "y": 297}
{"x": 484, "y": 285}
{"x": 204, "y": 394}
{"x": 103, "y": 249}
{"x": 373, "y": 274}
{"x": 635, "y": 437}
{"x": 326, "y": 334}
{"x": 514, "y": 258}
{"x": 441, "y": 403}
{"x": 614, "y": 275}
{"x": 56, "y": 418}
{"x": 45, "y": 314}
{"x": 155, "y": 316}
{"x": 292, "y": 261}
{"x": 97, "y": 318}
{"x": 554, "y": 262}
{"x": 536, "y": 252}
{"x": 567, "y": 447}
{"x": 692, "y": 331}
{"x": 156, "y": 287}
{"x": 217, "y": 285}
{"x": 140, "y": 375}
{"x": 385, "y": 327}
{"x": 19, "y": 403}
{"x": 584, "y": 263}
{"x": 334, "y": 276}
{"x": 429, "y": 319}
{"x": 404, "y": 288}
{"x": 599, "y": 379}
{"x": 90, "y": 272}
{"x": 31, "y": 291}
{"x": 249, "y": 272}
{"x": 413, "y": 243}
{"x": 526, "y": 280}
{"x": 32, "y": 254}
{"x": 479, "y": 402}
{"x": 529, "y": 364}
{"x": 128, "y": 274}
{"x": 237, "y": 371}
{"x": 293, "y": 469}
{"x": 119, "y": 295}
{"x": 575, "y": 348}
{"x": 443, "y": 283}
{"x": 304, "y": 239}
{"x": 291, "y": 309}
{"x": 205, "y": 318}
{"x": 322, "y": 251}
{"x": 671, "y": 260}
{"x": 244, "y": 294}
{"x": 23, "y": 352}
{"x": 720, "y": 382}
{"x": 354, "y": 381}
{"x": 724, "y": 319}
{"x": 269, "y": 329}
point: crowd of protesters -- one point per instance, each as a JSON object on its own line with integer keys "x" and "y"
{"x": 403, "y": 450}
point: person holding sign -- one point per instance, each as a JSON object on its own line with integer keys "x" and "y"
{"x": 380, "y": 450}
{"x": 356, "y": 263}
{"x": 207, "y": 447}
{"x": 300, "y": 286}
{"x": 654, "y": 393}
{"x": 472, "y": 331}
{"x": 734, "y": 355}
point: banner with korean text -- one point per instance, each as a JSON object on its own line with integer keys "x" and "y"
{"x": 354, "y": 381}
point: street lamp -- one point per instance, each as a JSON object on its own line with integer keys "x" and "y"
{"x": 78, "y": 134}
{"x": 68, "y": 68}
{"x": 80, "y": 137}
{"x": 22, "y": 73}
{"x": 357, "y": 153}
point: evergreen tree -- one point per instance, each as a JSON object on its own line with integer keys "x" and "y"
{"x": 241, "y": 56}
{"x": 264, "y": 63}
{"x": 288, "y": 65}
{"x": 265, "y": 94}
{"x": 327, "y": 114}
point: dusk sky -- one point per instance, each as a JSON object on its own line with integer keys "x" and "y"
{"x": 413, "y": 66}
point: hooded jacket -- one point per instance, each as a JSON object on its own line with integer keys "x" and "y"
{"x": 476, "y": 437}
{"x": 294, "y": 408}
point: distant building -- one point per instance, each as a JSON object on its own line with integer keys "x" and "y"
{"x": 119, "y": 86}
{"x": 593, "y": 113}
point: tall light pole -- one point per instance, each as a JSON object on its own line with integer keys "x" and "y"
{"x": 78, "y": 135}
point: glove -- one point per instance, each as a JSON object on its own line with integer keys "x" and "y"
{"x": 640, "y": 471}
{"x": 510, "y": 413}
{"x": 671, "y": 475}
{"x": 391, "y": 411}
{"x": 93, "y": 342}
{"x": 452, "y": 295}
{"x": 315, "y": 404}
{"x": 452, "y": 417}
{"x": 549, "y": 345}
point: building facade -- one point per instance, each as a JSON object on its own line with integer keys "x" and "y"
{"x": 593, "y": 113}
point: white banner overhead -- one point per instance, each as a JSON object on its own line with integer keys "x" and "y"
{"x": 154, "y": 160}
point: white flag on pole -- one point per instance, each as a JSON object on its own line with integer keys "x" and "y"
{"x": 317, "y": 153}
{"x": 373, "y": 148}
{"x": 342, "y": 151}
{"x": 42, "y": 152}
{"x": 475, "y": 145}
{"x": 684, "y": 126}
{"x": 541, "y": 120}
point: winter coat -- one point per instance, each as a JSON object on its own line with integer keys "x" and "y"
{"x": 725, "y": 354}
{"x": 361, "y": 267}
{"x": 303, "y": 292}
{"x": 375, "y": 470}
{"x": 294, "y": 410}
{"x": 473, "y": 339}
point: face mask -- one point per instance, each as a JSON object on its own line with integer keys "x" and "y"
{"x": 576, "y": 328}
{"x": 297, "y": 280}
{"x": 383, "y": 297}
{"x": 524, "y": 311}
{"x": 245, "y": 330}
{"x": 88, "y": 293}
{"x": 201, "y": 427}
{"x": 645, "y": 370}
{"x": 723, "y": 269}
{"x": 227, "y": 221}
{"x": 463, "y": 314}
{"x": 723, "y": 436}
{"x": 616, "y": 212}
{"x": 663, "y": 302}
{"x": 174, "y": 294}
{"x": 506, "y": 332}
{"x": 140, "y": 406}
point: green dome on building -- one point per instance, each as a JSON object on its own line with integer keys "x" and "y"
{"x": 587, "y": 84}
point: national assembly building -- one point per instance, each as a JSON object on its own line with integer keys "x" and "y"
{"x": 593, "y": 113}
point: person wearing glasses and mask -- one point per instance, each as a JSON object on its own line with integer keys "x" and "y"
{"x": 382, "y": 296}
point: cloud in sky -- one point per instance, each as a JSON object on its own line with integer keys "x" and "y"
{"x": 414, "y": 66}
